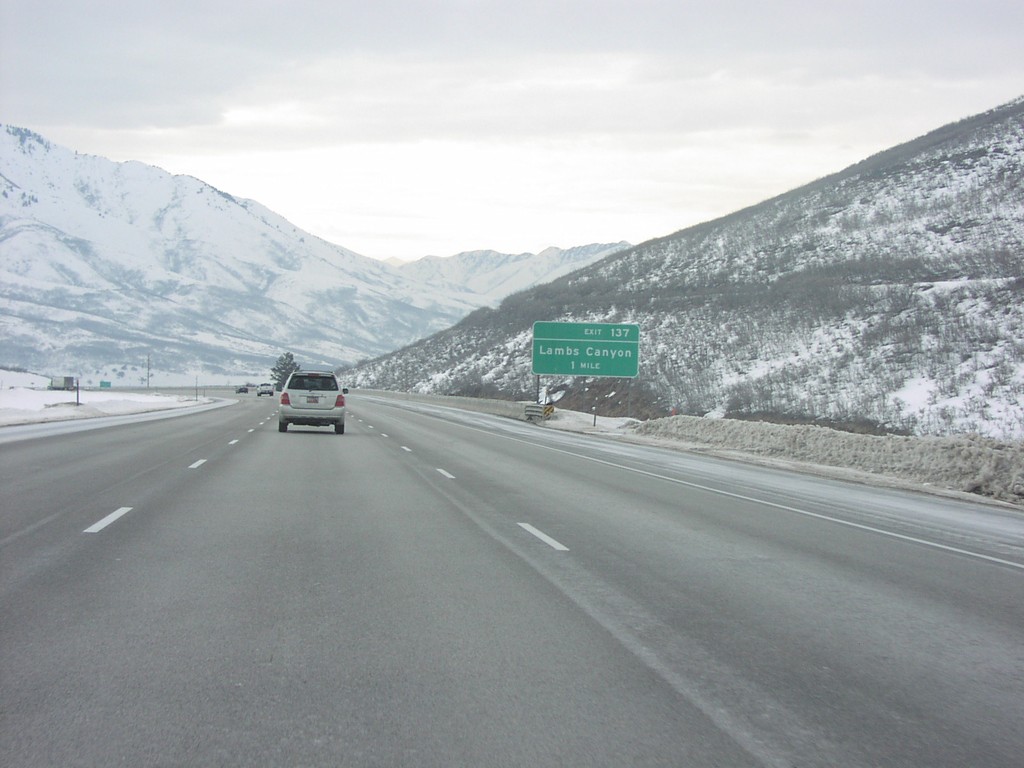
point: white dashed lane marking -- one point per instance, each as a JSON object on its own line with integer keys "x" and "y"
{"x": 99, "y": 526}
{"x": 544, "y": 537}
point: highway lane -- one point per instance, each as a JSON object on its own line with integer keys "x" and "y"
{"x": 72, "y": 472}
{"x": 308, "y": 599}
{"x": 837, "y": 627}
{"x": 472, "y": 591}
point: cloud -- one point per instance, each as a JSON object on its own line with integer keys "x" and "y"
{"x": 174, "y": 64}
{"x": 536, "y": 122}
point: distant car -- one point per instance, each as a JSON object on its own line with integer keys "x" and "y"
{"x": 312, "y": 398}
{"x": 265, "y": 389}
{"x": 242, "y": 391}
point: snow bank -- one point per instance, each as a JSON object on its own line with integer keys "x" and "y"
{"x": 22, "y": 405}
{"x": 966, "y": 463}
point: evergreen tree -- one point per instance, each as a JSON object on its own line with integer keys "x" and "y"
{"x": 283, "y": 368}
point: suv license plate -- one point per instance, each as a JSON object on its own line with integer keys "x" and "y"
{"x": 312, "y": 399}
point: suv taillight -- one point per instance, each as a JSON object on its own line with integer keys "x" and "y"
{"x": 339, "y": 401}
{"x": 285, "y": 400}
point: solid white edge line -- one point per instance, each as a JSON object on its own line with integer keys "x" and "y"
{"x": 796, "y": 510}
{"x": 544, "y": 537}
{"x": 785, "y": 507}
{"x": 838, "y": 521}
{"x": 99, "y": 526}
{"x": 446, "y": 474}
{"x": 197, "y": 465}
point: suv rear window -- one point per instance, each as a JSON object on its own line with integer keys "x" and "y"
{"x": 324, "y": 383}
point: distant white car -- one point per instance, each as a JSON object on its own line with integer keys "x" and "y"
{"x": 265, "y": 389}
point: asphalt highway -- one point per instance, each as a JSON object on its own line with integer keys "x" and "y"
{"x": 438, "y": 588}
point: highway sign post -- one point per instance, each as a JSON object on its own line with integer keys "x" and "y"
{"x": 586, "y": 349}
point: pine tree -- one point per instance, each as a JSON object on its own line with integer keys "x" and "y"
{"x": 283, "y": 368}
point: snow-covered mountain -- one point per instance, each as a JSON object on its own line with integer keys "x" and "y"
{"x": 494, "y": 276}
{"x": 890, "y": 294}
{"x": 103, "y": 265}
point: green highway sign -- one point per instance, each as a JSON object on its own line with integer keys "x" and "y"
{"x": 586, "y": 349}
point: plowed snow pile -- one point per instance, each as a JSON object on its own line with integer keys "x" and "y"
{"x": 964, "y": 463}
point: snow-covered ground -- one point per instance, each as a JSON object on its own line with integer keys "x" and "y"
{"x": 23, "y": 400}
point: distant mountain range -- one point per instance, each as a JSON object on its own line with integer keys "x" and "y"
{"x": 888, "y": 296}
{"x": 106, "y": 265}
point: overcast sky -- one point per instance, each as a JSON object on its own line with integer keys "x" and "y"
{"x": 401, "y": 128}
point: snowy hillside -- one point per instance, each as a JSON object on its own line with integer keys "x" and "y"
{"x": 889, "y": 296}
{"x": 103, "y": 265}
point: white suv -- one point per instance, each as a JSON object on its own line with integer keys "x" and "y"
{"x": 265, "y": 389}
{"x": 312, "y": 398}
